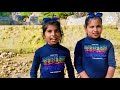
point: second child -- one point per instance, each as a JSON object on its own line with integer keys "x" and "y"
{"x": 94, "y": 56}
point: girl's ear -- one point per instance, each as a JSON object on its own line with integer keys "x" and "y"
{"x": 60, "y": 39}
{"x": 102, "y": 26}
{"x": 85, "y": 28}
{"x": 43, "y": 36}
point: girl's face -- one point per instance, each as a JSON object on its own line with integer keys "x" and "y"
{"x": 52, "y": 35}
{"x": 94, "y": 28}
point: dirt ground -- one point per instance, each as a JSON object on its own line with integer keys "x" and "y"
{"x": 29, "y": 57}
{"x": 23, "y": 62}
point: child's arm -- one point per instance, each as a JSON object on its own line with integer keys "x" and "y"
{"x": 78, "y": 58}
{"x": 110, "y": 72}
{"x": 35, "y": 65}
{"x": 69, "y": 66}
{"x": 111, "y": 62}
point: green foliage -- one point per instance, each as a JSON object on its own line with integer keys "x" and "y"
{"x": 5, "y": 14}
{"x": 26, "y": 14}
{"x": 56, "y": 14}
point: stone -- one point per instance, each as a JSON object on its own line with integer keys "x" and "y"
{"x": 109, "y": 18}
{"x": 33, "y": 19}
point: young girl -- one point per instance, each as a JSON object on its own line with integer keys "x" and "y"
{"x": 94, "y": 56}
{"x": 52, "y": 56}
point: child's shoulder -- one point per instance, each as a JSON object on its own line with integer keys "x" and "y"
{"x": 40, "y": 48}
{"x": 105, "y": 40}
{"x": 81, "y": 40}
{"x": 64, "y": 48}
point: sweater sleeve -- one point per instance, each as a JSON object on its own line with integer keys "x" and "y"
{"x": 111, "y": 56}
{"x": 78, "y": 57}
{"x": 35, "y": 65}
{"x": 69, "y": 66}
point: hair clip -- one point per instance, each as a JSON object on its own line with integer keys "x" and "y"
{"x": 49, "y": 19}
{"x": 91, "y": 15}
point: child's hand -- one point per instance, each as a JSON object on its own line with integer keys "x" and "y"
{"x": 83, "y": 74}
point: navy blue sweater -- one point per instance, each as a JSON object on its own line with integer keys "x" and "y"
{"x": 52, "y": 60}
{"x": 94, "y": 56}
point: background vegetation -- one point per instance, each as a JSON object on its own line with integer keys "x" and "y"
{"x": 6, "y": 14}
{"x": 42, "y": 14}
{"x": 26, "y": 39}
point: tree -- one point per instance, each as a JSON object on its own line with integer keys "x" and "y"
{"x": 6, "y": 14}
{"x": 62, "y": 15}
{"x": 26, "y": 14}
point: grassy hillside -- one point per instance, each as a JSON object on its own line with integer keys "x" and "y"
{"x": 26, "y": 39}
{"x": 20, "y": 39}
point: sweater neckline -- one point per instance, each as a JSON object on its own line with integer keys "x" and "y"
{"x": 53, "y": 46}
{"x": 97, "y": 39}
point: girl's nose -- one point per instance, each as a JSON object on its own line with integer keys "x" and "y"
{"x": 53, "y": 33}
{"x": 95, "y": 29}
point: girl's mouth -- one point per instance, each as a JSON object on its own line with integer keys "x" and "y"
{"x": 95, "y": 34}
{"x": 53, "y": 39}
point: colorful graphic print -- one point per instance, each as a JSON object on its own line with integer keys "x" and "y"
{"x": 54, "y": 63}
{"x": 95, "y": 51}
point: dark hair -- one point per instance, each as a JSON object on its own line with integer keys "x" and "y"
{"x": 92, "y": 16}
{"x": 52, "y": 22}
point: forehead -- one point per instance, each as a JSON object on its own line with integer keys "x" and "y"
{"x": 51, "y": 27}
{"x": 94, "y": 21}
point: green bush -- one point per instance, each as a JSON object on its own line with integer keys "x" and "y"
{"x": 26, "y": 14}
{"x": 5, "y": 14}
{"x": 56, "y": 14}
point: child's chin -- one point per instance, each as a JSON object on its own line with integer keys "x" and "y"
{"x": 53, "y": 43}
{"x": 95, "y": 37}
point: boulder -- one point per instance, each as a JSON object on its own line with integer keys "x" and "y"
{"x": 109, "y": 18}
{"x": 33, "y": 19}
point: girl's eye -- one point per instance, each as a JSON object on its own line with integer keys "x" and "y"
{"x": 49, "y": 31}
{"x": 57, "y": 31}
{"x": 91, "y": 26}
{"x": 98, "y": 26}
